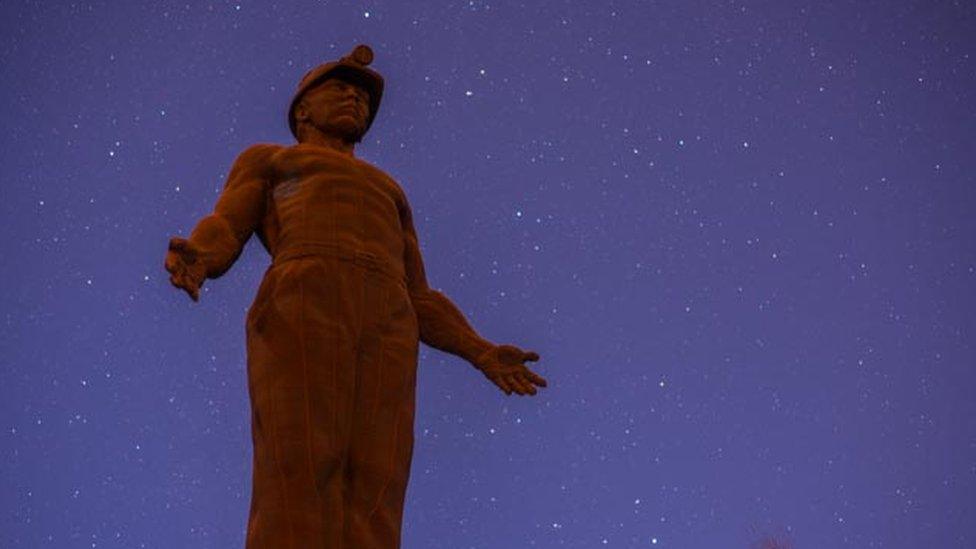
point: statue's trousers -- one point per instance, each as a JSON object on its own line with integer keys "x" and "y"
{"x": 332, "y": 341}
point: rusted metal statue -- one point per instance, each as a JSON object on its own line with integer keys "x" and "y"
{"x": 333, "y": 333}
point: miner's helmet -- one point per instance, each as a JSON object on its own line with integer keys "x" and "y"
{"x": 351, "y": 67}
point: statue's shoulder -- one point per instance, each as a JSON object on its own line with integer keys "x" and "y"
{"x": 260, "y": 151}
{"x": 378, "y": 173}
{"x": 259, "y": 158}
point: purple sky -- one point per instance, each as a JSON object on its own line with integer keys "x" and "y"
{"x": 735, "y": 232}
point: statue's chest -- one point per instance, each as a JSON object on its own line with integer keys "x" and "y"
{"x": 323, "y": 185}
{"x": 325, "y": 182}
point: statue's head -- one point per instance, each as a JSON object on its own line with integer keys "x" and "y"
{"x": 336, "y": 107}
{"x": 340, "y": 97}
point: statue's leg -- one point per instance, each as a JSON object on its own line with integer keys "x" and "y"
{"x": 382, "y": 434}
{"x": 301, "y": 353}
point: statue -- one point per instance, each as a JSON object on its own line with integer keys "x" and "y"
{"x": 334, "y": 330}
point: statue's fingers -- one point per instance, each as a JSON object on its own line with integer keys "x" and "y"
{"x": 172, "y": 264}
{"x": 196, "y": 274}
{"x": 531, "y": 356}
{"x": 177, "y": 244}
{"x": 513, "y": 383}
{"x": 536, "y": 378}
{"x": 521, "y": 385}
{"x": 191, "y": 284}
{"x": 503, "y": 384}
{"x": 183, "y": 248}
{"x": 182, "y": 281}
{"x": 526, "y": 385}
{"x": 494, "y": 378}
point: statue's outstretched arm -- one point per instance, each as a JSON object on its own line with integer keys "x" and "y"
{"x": 443, "y": 327}
{"x": 217, "y": 240}
{"x": 221, "y": 236}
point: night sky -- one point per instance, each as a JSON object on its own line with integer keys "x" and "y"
{"x": 739, "y": 234}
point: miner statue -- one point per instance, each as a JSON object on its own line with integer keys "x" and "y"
{"x": 334, "y": 330}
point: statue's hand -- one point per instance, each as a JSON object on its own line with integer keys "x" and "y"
{"x": 503, "y": 365}
{"x": 185, "y": 268}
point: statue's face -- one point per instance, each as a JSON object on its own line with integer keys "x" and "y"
{"x": 336, "y": 107}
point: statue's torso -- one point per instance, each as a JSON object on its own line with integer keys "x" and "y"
{"x": 319, "y": 197}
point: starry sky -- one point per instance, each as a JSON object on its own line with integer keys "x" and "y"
{"x": 736, "y": 233}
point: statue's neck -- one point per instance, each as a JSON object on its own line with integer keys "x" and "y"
{"x": 314, "y": 136}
